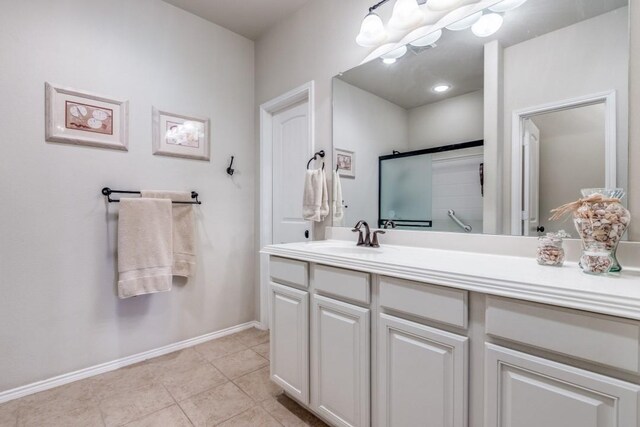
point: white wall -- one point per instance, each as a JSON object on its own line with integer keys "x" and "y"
{"x": 450, "y": 121}
{"x": 58, "y": 307}
{"x": 586, "y": 58}
{"x": 371, "y": 127}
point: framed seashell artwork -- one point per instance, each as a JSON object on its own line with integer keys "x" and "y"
{"x": 179, "y": 135}
{"x": 82, "y": 118}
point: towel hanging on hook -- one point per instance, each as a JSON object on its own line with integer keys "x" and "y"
{"x": 315, "y": 157}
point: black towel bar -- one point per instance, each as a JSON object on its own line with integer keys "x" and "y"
{"x": 106, "y": 191}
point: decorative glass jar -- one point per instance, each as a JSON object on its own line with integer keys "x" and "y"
{"x": 596, "y": 259}
{"x": 550, "y": 250}
{"x": 601, "y": 218}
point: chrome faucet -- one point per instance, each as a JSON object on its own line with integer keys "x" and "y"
{"x": 368, "y": 240}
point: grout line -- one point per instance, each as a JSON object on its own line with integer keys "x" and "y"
{"x": 185, "y": 414}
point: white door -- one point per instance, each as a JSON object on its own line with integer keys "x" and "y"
{"x": 423, "y": 379}
{"x": 291, "y": 151}
{"x": 531, "y": 194}
{"x": 528, "y": 391}
{"x": 340, "y": 367}
{"x": 290, "y": 340}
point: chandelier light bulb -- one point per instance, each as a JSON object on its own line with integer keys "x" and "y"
{"x": 372, "y": 32}
{"x": 465, "y": 23}
{"x": 442, "y": 5}
{"x": 487, "y": 25}
{"x": 406, "y": 15}
{"x": 428, "y": 39}
{"x": 391, "y": 57}
{"x": 506, "y": 5}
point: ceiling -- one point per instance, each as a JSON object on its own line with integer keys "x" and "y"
{"x": 458, "y": 58}
{"x": 249, "y": 18}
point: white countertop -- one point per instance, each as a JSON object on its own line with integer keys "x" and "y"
{"x": 509, "y": 276}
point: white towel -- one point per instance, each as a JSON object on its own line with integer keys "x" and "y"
{"x": 144, "y": 246}
{"x": 315, "y": 205}
{"x": 337, "y": 206}
{"x": 184, "y": 252}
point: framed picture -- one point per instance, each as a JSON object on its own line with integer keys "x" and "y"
{"x": 346, "y": 163}
{"x": 178, "y": 135}
{"x": 82, "y": 118}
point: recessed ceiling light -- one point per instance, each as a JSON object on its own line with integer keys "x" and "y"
{"x": 506, "y": 5}
{"x": 441, "y": 88}
{"x": 487, "y": 25}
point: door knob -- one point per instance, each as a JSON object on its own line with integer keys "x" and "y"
{"x": 306, "y": 234}
{"x": 540, "y": 229}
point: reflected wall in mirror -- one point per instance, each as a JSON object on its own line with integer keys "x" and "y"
{"x": 544, "y": 100}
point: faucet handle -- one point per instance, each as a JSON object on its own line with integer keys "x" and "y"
{"x": 360, "y": 238}
{"x": 374, "y": 239}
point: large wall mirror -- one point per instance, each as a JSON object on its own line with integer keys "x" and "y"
{"x": 462, "y": 133}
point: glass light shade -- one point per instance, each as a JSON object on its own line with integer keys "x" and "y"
{"x": 393, "y": 55}
{"x": 428, "y": 39}
{"x": 406, "y": 15}
{"x": 487, "y": 25}
{"x": 506, "y": 5}
{"x": 464, "y": 23}
{"x": 442, "y": 5}
{"x": 372, "y": 32}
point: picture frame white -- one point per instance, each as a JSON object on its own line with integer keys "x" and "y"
{"x": 345, "y": 161}
{"x": 179, "y": 135}
{"x": 78, "y": 117}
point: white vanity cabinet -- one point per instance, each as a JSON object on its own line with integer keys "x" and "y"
{"x": 361, "y": 347}
{"x": 340, "y": 367}
{"x": 422, "y": 375}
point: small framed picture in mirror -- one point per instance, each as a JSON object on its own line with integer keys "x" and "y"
{"x": 345, "y": 163}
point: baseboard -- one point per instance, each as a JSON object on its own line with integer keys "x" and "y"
{"x": 43, "y": 385}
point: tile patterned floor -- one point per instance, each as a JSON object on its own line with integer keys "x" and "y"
{"x": 224, "y": 382}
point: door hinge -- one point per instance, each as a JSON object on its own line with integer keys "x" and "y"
{"x": 524, "y": 215}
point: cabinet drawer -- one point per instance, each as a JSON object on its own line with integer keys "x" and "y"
{"x": 605, "y": 340}
{"x": 289, "y": 272}
{"x": 351, "y": 285}
{"x": 431, "y": 302}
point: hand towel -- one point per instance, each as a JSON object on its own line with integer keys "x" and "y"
{"x": 144, "y": 246}
{"x": 315, "y": 204}
{"x": 337, "y": 206}
{"x": 184, "y": 251}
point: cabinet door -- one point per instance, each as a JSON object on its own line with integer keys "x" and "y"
{"x": 290, "y": 340}
{"x": 528, "y": 391}
{"x": 423, "y": 378}
{"x": 340, "y": 366}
